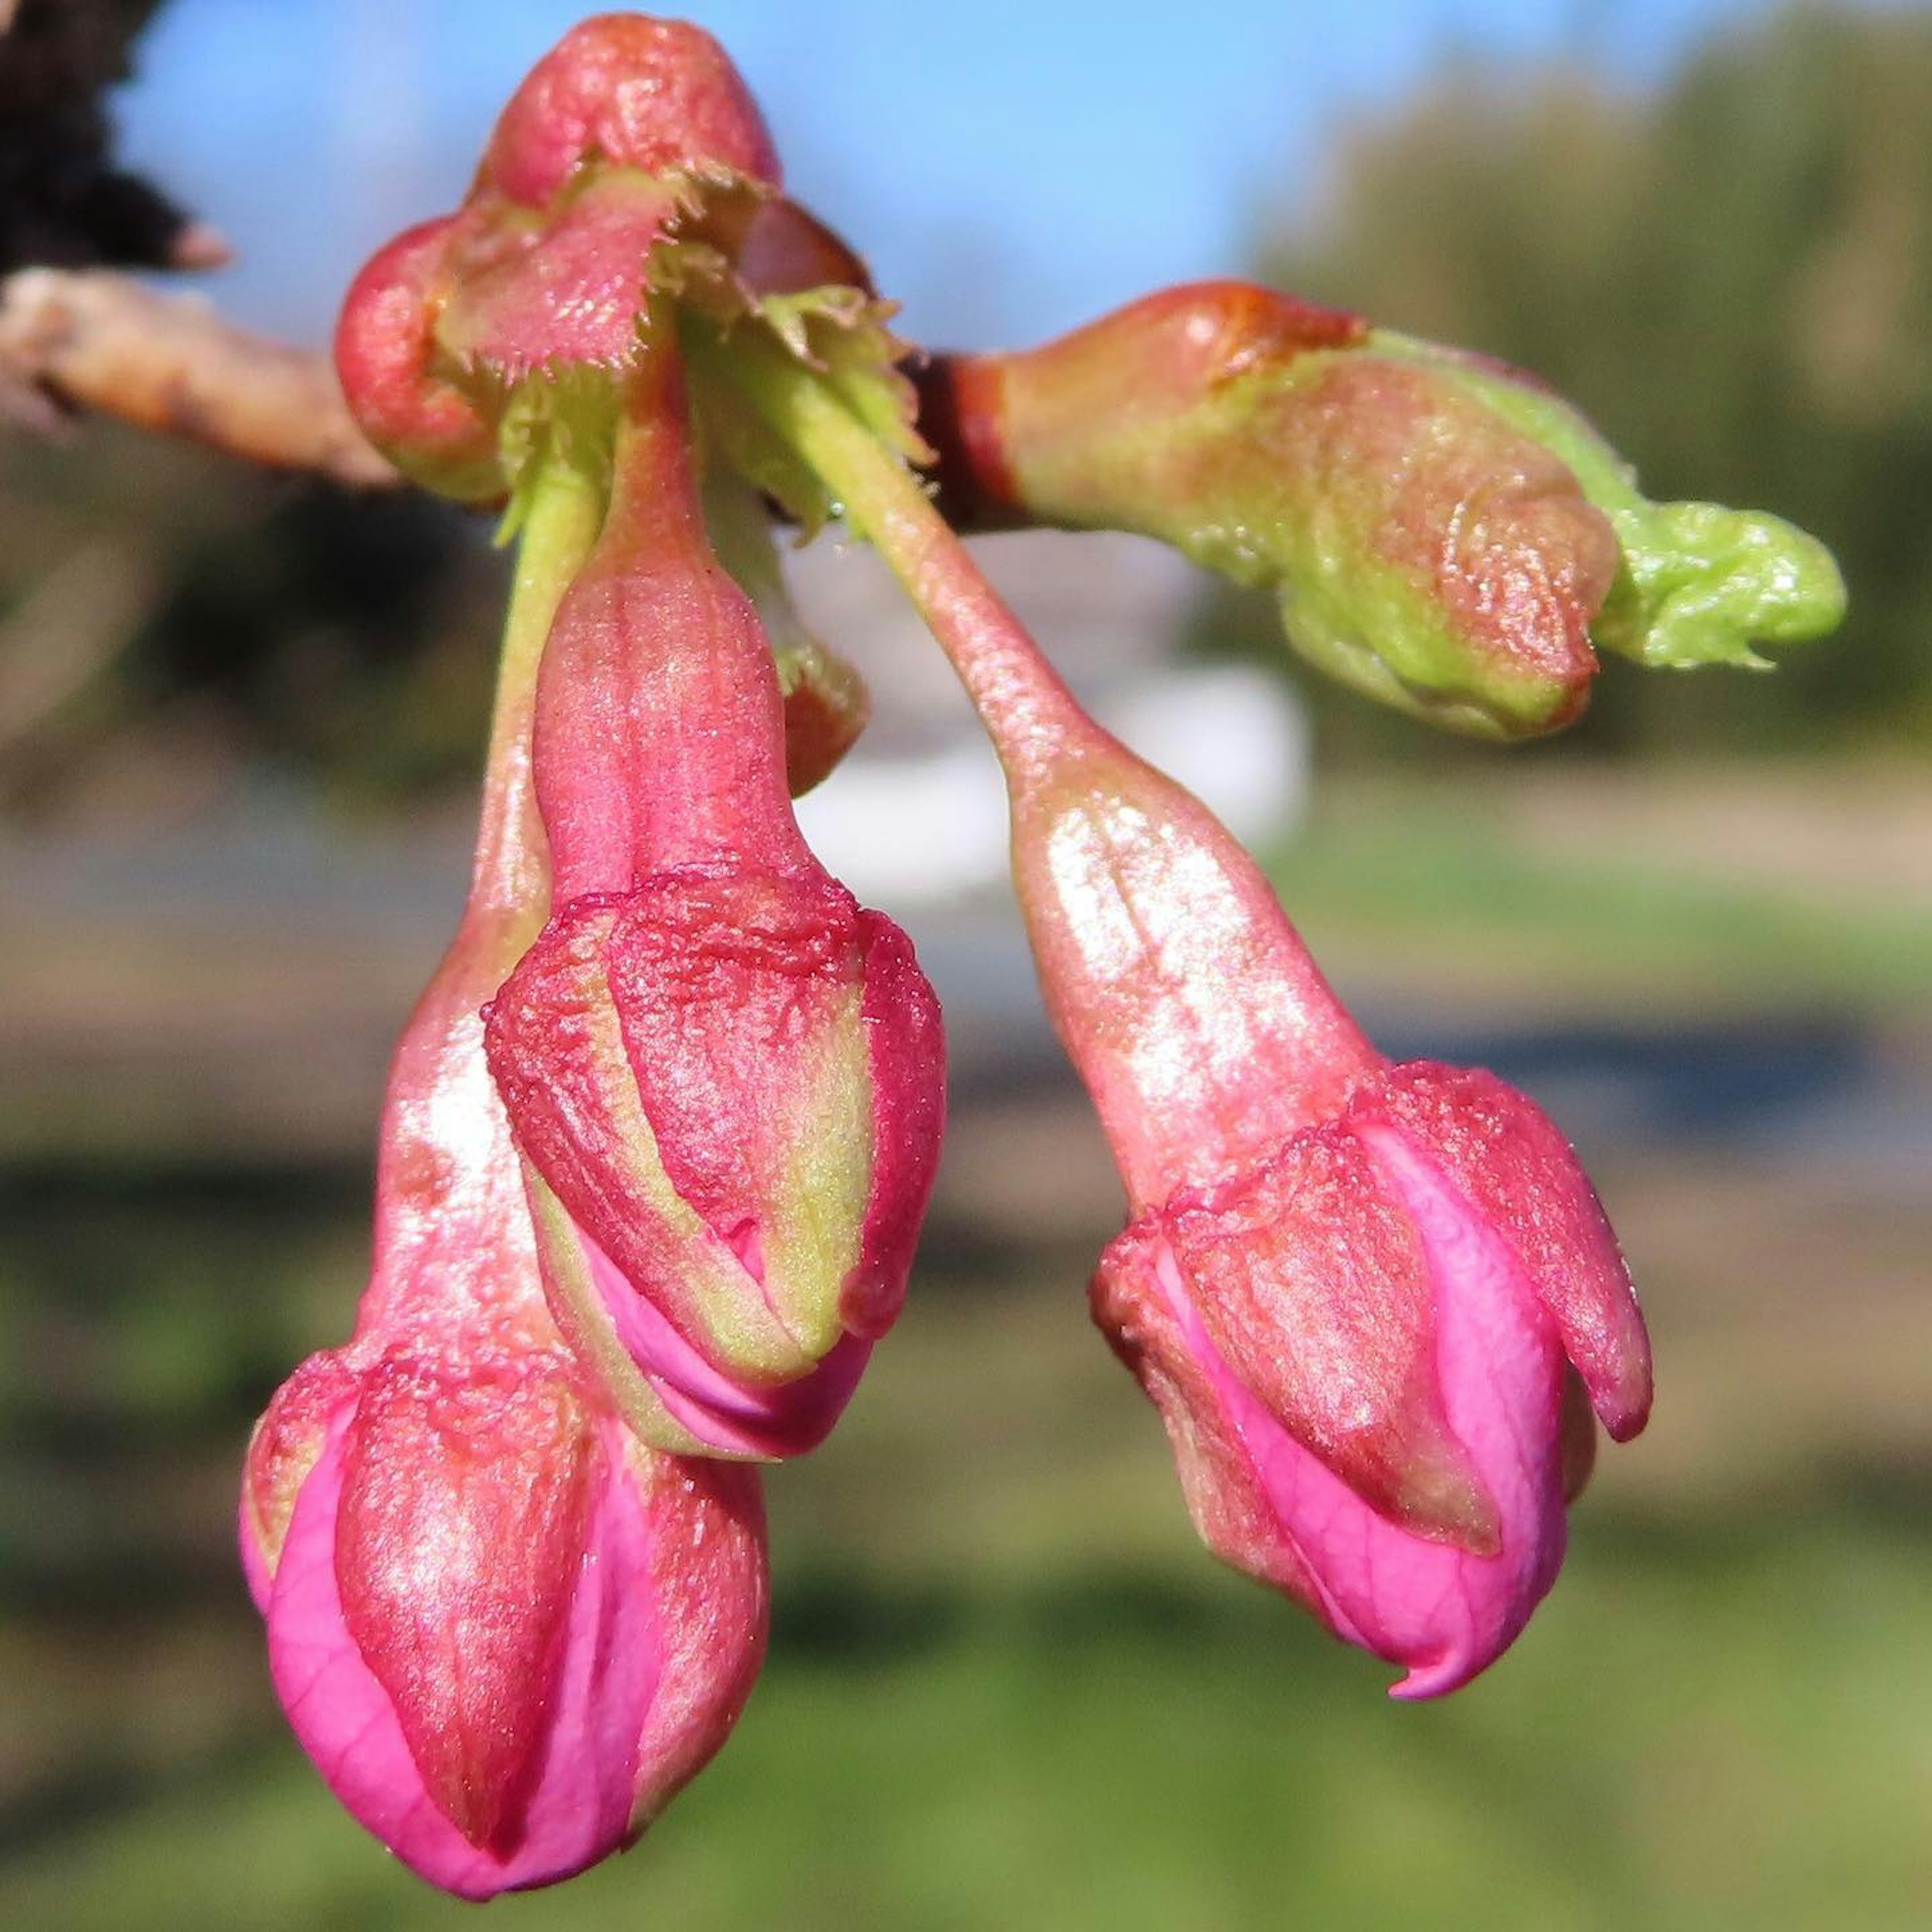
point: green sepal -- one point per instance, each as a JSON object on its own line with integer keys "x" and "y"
{"x": 565, "y": 417}
{"x": 841, "y": 334}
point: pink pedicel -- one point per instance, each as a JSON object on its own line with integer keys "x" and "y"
{"x": 1355, "y": 1292}
{"x": 726, "y": 1075}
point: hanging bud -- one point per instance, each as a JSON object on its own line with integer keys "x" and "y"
{"x": 1356, "y": 1292}
{"x": 1350, "y": 1288}
{"x": 1440, "y": 532}
{"x": 506, "y": 1631}
{"x": 726, "y": 1076}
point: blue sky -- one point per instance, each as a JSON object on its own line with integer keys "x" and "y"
{"x": 1009, "y": 168}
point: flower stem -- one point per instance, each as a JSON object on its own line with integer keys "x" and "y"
{"x": 1028, "y": 710}
{"x": 560, "y": 510}
{"x": 1200, "y": 1024}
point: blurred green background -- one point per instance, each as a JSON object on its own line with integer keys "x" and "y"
{"x": 1006, "y": 1687}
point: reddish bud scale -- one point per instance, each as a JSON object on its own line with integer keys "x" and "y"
{"x": 546, "y": 264}
{"x": 387, "y": 362}
{"x": 630, "y": 131}
{"x": 1421, "y": 547}
{"x": 660, "y": 96}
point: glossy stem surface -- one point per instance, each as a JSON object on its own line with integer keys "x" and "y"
{"x": 659, "y": 730}
{"x": 447, "y": 1177}
{"x": 1201, "y": 1026}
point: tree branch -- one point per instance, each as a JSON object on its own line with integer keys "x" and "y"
{"x": 95, "y": 340}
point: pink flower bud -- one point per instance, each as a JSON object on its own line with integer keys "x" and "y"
{"x": 726, "y": 1077}
{"x": 1358, "y": 1345}
{"x": 1351, "y": 1288}
{"x": 505, "y": 1631}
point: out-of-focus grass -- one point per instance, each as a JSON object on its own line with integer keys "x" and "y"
{"x": 1714, "y": 1727}
{"x": 1431, "y": 888}
{"x": 1007, "y": 1689}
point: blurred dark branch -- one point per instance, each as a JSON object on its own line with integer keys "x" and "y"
{"x": 64, "y": 202}
{"x": 74, "y": 334}
{"x": 92, "y": 339}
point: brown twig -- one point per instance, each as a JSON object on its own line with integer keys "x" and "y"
{"x": 95, "y": 339}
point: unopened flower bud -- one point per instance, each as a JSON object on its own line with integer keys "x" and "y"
{"x": 725, "y": 1075}
{"x": 1357, "y": 1293}
{"x": 504, "y": 1629}
{"x": 1350, "y": 1288}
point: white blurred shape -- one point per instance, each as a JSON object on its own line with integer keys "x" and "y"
{"x": 916, "y": 815}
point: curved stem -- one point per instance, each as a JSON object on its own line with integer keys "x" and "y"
{"x": 1202, "y": 1026}
{"x": 1030, "y": 714}
{"x": 453, "y": 1239}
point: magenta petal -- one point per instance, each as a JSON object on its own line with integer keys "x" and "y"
{"x": 1517, "y": 1169}
{"x": 1442, "y": 1613}
{"x": 735, "y": 1418}
{"x": 581, "y": 1802}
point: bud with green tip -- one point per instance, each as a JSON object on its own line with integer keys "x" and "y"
{"x": 1442, "y": 533}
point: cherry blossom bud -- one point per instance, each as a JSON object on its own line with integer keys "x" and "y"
{"x": 725, "y": 1075}
{"x": 1357, "y": 1293}
{"x": 505, "y": 1630}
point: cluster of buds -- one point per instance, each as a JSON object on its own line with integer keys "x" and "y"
{"x": 660, "y": 1136}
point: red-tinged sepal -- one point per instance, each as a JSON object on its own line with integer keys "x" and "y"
{"x": 732, "y": 1084}
{"x": 446, "y": 1468}
{"x": 1309, "y": 1245}
{"x": 403, "y": 400}
{"x": 826, "y": 707}
{"x": 1265, "y": 1502}
{"x": 1513, "y": 1163}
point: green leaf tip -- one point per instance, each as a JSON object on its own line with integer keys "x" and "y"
{"x": 1697, "y": 584}
{"x": 1701, "y": 584}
